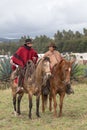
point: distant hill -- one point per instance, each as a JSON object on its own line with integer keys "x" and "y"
{"x": 6, "y": 40}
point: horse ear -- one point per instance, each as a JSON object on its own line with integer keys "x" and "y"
{"x": 72, "y": 61}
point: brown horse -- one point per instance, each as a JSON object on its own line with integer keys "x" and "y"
{"x": 58, "y": 82}
{"x": 32, "y": 84}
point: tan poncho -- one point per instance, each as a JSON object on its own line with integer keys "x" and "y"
{"x": 55, "y": 57}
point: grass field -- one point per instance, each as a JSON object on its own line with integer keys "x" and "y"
{"x": 74, "y": 113}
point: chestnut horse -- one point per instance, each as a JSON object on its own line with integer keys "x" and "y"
{"x": 32, "y": 84}
{"x": 58, "y": 83}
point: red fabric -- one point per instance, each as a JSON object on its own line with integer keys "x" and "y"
{"x": 13, "y": 67}
{"x": 16, "y": 80}
{"x": 25, "y": 54}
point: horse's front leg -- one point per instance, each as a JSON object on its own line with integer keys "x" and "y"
{"x": 55, "y": 104}
{"x": 30, "y": 105}
{"x": 18, "y": 103}
{"x": 43, "y": 105}
{"x": 37, "y": 105}
{"x": 61, "y": 103}
{"x": 50, "y": 102}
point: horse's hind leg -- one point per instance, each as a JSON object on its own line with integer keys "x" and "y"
{"x": 37, "y": 105}
{"x": 18, "y": 103}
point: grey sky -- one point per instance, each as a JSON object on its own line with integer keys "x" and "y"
{"x": 38, "y": 17}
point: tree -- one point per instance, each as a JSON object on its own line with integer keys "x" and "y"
{"x": 85, "y": 31}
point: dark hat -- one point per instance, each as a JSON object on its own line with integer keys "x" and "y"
{"x": 28, "y": 40}
{"x": 52, "y": 45}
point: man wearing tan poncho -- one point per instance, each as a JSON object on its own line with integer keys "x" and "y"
{"x": 55, "y": 57}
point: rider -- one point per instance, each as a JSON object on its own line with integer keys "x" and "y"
{"x": 55, "y": 57}
{"x": 20, "y": 58}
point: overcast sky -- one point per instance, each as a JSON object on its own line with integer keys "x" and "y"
{"x": 38, "y": 17}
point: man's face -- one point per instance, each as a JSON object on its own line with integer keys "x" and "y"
{"x": 29, "y": 44}
{"x": 51, "y": 48}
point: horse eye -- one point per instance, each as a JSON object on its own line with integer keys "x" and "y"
{"x": 44, "y": 64}
{"x": 66, "y": 69}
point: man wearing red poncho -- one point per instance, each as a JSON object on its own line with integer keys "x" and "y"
{"x": 21, "y": 56}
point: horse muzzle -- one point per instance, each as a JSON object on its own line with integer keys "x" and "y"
{"x": 48, "y": 75}
{"x": 66, "y": 82}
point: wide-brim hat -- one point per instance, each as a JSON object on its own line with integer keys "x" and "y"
{"x": 27, "y": 41}
{"x": 52, "y": 45}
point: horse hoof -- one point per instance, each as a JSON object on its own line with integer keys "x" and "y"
{"x": 59, "y": 115}
{"x": 30, "y": 117}
{"x": 50, "y": 109}
{"x": 39, "y": 116}
{"x": 19, "y": 114}
{"x": 15, "y": 113}
{"x": 55, "y": 116}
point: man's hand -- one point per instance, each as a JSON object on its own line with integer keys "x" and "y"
{"x": 12, "y": 63}
{"x": 34, "y": 59}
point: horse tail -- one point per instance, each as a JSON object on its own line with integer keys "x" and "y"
{"x": 45, "y": 97}
{"x": 45, "y": 92}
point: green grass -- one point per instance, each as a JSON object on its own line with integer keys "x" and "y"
{"x": 82, "y": 69}
{"x": 74, "y": 113}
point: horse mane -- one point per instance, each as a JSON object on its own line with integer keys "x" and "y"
{"x": 57, "y": 68}
{"x": 38, "y": 71}
{"x": 30, "y": 68}
{"x": 40, "y": 61}
{"x": 44, "y": 59}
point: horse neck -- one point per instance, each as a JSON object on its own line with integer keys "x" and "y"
{"x": 29, "y": 72}
{"x": 38, "y": 72}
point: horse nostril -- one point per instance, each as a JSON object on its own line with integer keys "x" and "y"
{"x": 48, "y": 75}
{"x": 67, "y": 83}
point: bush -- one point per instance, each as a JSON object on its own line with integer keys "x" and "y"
{"x": 85, "y": 72}
{"x": 76, "y": 71}
{"x": 5, "y": 70}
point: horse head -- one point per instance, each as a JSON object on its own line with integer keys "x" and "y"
{"x": 65, "y": 68}
{"x": 46, "y": 67}
{"x": 43, "y": 72}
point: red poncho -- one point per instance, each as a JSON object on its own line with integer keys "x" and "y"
{"x": 23, "y": 54}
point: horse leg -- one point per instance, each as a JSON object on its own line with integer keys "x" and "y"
{"x": 44, "y": 102}
{"x": 18, "y": 103}
{"x": 61, "y": 103}
{"x": 55, "y": 104}
{"x": 50, "y": 102}
{"x": 30, "y": 105}
{"x": 37, "y": 105}
{"x": 14, "y": 104}
{"x": 43, "y": 107}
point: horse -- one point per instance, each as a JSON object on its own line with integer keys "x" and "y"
{"x": 58, "y": 82}
{"x": 33, "y": 81}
